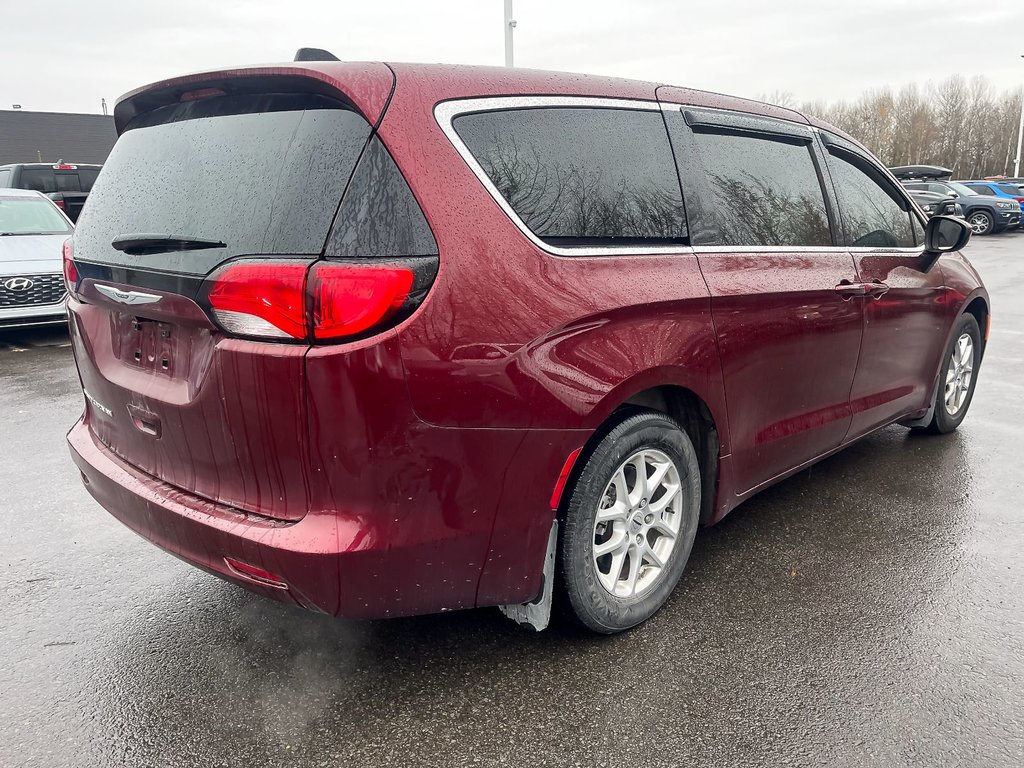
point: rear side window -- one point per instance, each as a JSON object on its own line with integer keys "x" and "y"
{"x": 379, "y": 217}
{"x": 983, "y": 190}
{"x": 581, "y": 175}
{"x": 758, "y": 191}
{"x": 874, "y": 214}
{"x": 263, "y": 174}
{"x": 39, "y": 179}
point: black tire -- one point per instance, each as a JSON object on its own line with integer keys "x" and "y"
{"x": 979, "y": 218}
{"x": 943, "y": 422}
{"x": 594, "y": 606}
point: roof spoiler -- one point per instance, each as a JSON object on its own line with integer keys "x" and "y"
{"x": 314, "y": 54}
{"x": 910, "y": 172}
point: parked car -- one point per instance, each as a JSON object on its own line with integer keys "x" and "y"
{"x": 32, "y": 235}
{"x": 986, "y": 215}
{"x": 1005, "y": 191}
{"x": 936, "y": 204}
{"x": 67, "y": 184}
{"x": 460, "y": 342}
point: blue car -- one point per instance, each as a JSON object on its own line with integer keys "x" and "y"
{"x": 1002, "y": 189}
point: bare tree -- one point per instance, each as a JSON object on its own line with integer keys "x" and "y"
{"x": 966, "y": 126}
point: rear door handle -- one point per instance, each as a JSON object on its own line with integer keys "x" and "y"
{"x": 875, "y": 288}
{"x": 848, "y": 290}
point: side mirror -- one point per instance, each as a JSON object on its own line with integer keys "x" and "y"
{"x": 943, "y": 234}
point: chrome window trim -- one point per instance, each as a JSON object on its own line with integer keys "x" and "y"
{"x": 741, "y": 249}
{"x": 445, "y": 113}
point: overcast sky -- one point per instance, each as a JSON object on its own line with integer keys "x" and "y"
{"x": 65, "y": 56}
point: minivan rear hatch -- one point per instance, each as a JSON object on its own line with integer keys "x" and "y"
{"x": 205, "y": 172}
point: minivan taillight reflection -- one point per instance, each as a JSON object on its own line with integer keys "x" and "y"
{"x": 291, "y": 300}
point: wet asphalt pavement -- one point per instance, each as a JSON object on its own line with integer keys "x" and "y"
{"x": 867, "y": 612}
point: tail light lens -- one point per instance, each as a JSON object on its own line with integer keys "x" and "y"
{"x": 59, "y": 204}
{"x": 70, "y": 270}
{"x": 260, "y": 299}
{"x": 348, "y": 300}
{"x": 293, "y": 301}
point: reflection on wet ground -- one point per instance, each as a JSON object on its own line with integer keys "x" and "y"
{"x": 866, "y": 612}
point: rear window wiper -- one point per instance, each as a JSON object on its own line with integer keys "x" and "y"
{"x": 148, "y": 242}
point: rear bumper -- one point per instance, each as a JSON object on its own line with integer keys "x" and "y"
{"x": 359, "y": 563}
{"x": 304, "y": 554}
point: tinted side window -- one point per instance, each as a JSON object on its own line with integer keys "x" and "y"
{"x": 918, "y": 230}
{"x": 39, "y": 179}
{"x": 984, "y": 190}
{"x": 874, "y": 215}
{"x": 760, "y": 191}
{"x": 579, "y": 175}
{"x": 379, "y": 216}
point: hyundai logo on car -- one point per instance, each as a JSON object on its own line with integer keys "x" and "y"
{"x": 18, "y": 284}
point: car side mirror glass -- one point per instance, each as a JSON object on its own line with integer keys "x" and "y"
{"x": 943, "y": 234}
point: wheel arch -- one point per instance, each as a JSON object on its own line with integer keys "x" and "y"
{"x": 978, "y": 307}
{"x": 682, "y": 404}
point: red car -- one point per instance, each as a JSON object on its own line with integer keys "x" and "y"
{"x": 383, "y": 340}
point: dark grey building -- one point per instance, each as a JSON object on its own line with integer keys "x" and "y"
{"x": 33, "y": 137}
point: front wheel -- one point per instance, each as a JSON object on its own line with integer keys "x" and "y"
{"x": 982, "y": 222}
{"x": 958, "y": 377}
{"x": 630, "y": 523}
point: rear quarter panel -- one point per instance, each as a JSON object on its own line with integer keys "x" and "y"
{"x": 513, "y": 337}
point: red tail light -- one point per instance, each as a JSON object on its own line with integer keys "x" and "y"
{"x": 59, "y": 204}
{"x": 260, "y": 299}
{"x": 70, "y": 270}
{"x": 289, "y": 300}
{"x": 348, "y": 300}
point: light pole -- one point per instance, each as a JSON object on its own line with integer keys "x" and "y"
{"x": 1020, "y": 130}
{"x": 510, "y": 24}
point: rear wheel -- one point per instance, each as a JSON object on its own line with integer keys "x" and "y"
{"x": 982, "y": 222}
{"x": 630, "y": 523}
{"x": 957, "y": 379}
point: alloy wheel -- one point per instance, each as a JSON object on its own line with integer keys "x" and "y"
{"x": 980, "y": 223}
{"x": 637, "y": 523}
{"x": 959, "y": 373}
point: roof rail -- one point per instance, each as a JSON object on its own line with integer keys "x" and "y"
{"x": 314, "y": 54}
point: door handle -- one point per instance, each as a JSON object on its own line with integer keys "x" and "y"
{"x": 848, "y": 290}
{"x": 876, "y": 289}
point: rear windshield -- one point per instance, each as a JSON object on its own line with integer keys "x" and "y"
{"x": 30, "y": 216}
{"x": 261, "y": 173}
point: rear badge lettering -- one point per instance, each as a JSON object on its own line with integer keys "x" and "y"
{"x": 97, "y": 404}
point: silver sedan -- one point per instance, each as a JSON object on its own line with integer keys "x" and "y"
{"x": 32, "y": 235}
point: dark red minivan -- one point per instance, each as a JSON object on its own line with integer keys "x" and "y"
{"x": 388, "y": 339}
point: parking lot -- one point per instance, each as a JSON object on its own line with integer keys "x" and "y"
{"x": 869, "y": 611}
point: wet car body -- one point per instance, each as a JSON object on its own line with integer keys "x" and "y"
{"x": 418, "y": 466}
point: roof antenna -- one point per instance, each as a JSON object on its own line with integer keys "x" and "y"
{"x": 314, "y": 54}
